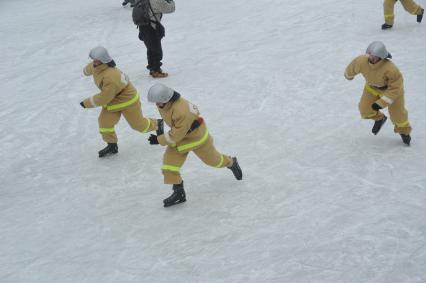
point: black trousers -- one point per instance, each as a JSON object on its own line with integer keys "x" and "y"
{"x": 154, "y": 51}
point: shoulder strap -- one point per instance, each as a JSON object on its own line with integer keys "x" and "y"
{"x": 150, "y": 8}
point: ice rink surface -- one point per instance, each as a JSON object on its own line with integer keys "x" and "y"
{"x": 322, "y": 199}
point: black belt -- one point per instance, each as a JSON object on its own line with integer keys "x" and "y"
{"x": 381, "y": 88}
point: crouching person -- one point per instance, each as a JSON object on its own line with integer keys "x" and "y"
{"x": 118, "y": 97}
{"x": 188, "y": 132}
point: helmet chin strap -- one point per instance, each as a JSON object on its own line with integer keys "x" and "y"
{"x": 373, "y": 59}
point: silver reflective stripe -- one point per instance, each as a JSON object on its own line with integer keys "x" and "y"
{"x": 387, "y": 99}
{"x": 85, "y": 71}
{"x": 168, "y": 138}
{"x": 92, "y": 100}
{"x": 347, "y": 76}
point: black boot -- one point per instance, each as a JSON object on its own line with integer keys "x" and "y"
{"x": 177, "y": 196}
{"x": 236, "y": 170}
{"x": 160, "y": 126}
{"x": 406, "y": 139}
{"x": 420, "y": 17}
{"x": 111, "y": 148}
{"x": 378, "y": 125}
{"x": 386, "y": 26}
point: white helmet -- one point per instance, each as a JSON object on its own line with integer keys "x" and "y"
{"x": 160, "y": 93}
{"x": 100, "y": 53}
{"x": 378, "y": 49}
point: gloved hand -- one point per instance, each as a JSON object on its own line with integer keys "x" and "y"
{"x": 153, "y": 139}
{"x": 82, "y": 104}
{"x": 376, "y": 106}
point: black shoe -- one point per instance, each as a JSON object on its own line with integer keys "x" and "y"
{"x": 406, "y": 139}
{"x": 420, "y": 17}
{"x": 236, "y": 170}
{"x": 160, "y": 126}
{"x": 386, "y": 26}
{"x": 177, "y": 196}
{"x": 125, "y": 2}
{"x": 111, "y": 148}
{"x": 378, "y": 125}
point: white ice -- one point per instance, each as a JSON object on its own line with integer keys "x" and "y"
{"x": 322, "y": 200}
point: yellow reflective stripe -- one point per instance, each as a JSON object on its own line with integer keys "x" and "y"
{"x": 414, "y": 12}
{"x": 170, "y": 168}
{"x": 369, "y": 115}
{"x": 106, "y": 130}
{"x": 221, "y": 162}
{"x": 389, "y": 15}
{"x": 403, "y": 124}
{"x": 147, "y": 127}
{"x": 373, "y": 91}
{"x": 194, "y": 144}
{"x": 124, "y": 104}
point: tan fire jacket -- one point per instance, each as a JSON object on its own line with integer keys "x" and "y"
{"x": 383, "y": 79}
{"x": 179, "y": 116}
{"x": 117, "y": 92}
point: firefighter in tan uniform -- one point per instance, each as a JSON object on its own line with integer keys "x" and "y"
{"x": 117, "y": 97}
{"x": 188, "y": 132}
{"x": 384, "y": 88}
{"x": 409, "y": 5}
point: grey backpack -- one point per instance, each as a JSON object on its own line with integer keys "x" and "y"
{"x": 140, "y": 13}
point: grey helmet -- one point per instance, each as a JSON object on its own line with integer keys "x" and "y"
{"x": 160, "y": 93}
{"x": 100, "y": 53}
{"x": 378, "y": 49}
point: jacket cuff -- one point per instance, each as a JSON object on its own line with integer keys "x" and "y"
{"x": 349, "y": 78}
{"x": 89, "y": 102}
{"x": 161, "y": 140}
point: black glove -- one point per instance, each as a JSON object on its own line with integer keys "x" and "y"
{"x": 153, "y": 139}
{"x": 82, "y": 104}
{"x": 376, "y": 106}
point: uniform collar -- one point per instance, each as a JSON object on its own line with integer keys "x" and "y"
{"x": 168, "y": 105}
{"x": 378, "y": 65}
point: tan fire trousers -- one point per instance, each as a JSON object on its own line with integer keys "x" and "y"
{"x": 133, "y": 114}
{"x": 409, "y": 5}
{"x": 173, "y": 160}
{"x": 397, "y": 112}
